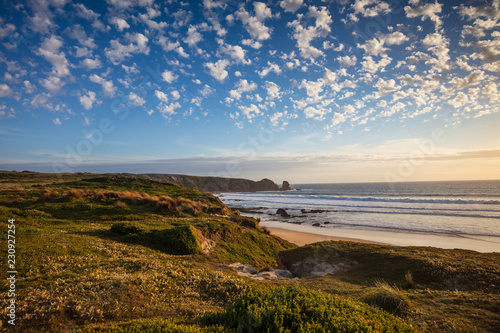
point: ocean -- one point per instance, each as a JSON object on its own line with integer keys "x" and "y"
{"x": 461, "y": 209}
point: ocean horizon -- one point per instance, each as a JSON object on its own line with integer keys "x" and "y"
{"x": 447, "y": 214}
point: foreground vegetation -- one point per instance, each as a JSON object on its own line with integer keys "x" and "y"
{"x": 107, "y": 253}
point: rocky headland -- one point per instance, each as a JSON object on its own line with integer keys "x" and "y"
{"x": 218, "y": 184}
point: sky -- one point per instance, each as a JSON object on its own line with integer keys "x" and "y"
{"x": 304, "y": 91}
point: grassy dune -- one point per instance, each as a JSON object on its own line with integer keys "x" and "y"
{"x": 106, "y": 253}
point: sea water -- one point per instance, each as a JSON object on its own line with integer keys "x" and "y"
{"x": 467, "y": 209}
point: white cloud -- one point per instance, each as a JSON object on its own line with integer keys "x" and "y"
{"x": 262, "y": 12}
{"x": 193, "y": 37}
{"x": 117, "y": 52}
{"x": 490, "y": 90}
{"x": 313, "y": 88}
{"x": 218, "y": 69}
{"x": 250, "y": 111}
{"x": 338, "y": 118}
{"x": 305, "y": 36}
{"x": 374, "y": 47}
{"x": 393, "y": 109}
{"x": 126, "y": 4}
{"x": 107, "y": 85}
{"x": 473, "y": 79}
{"x": 5, "y": 90}
{"x": 369, "y": 8}
{"x": 253, "y": 24}
{"x": 86, "y": 13}
{"x": 169, "y": 76}
{"x": 438, "y": 44}
{"x": 161, "y": 96}
{"x": 291, "y": 5}
{"x": 206, "y": 91}
{"x": 52, "y": 83}
{"x": 50, "y": 51}
{"x": 272, "y": 67}
{"x": 371, "y": 66}
{"x": 252, "y": 43}
{"x": 78, "y": 32}
{"x": 56, "y": 121}
{"x": 91, "y": 63}
{"x": 136, "y": 99}
{"x": 459, "y": 100}
{"x": 236, "y": 52}
{"x": 87, "y": 101}
{"x": 277, "y": 117}
{"x": 30, "y": 88}
{"x": 131, "y": 69}
{"x": 120, "y": 23}
{"x": 175, "y": 94}
{"x": 168, "y": 110}
{"x": 395, "y": 38}
{"x": 273, "y": 90}
{"x": 386, "y": 87}
{"x": 347, "y": 61}
{"x": 243, "y": 86}
{"x": 427, "y": 11}
{"x": 318, "y": 112}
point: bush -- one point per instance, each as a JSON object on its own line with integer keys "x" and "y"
{"x": 145, "y": 325}
{"x": 388, "y": 298}
{"x": 184, "y": 240}
{"x": 294, "y": 309}
{"x": 181, "y": 240}
{"x": 125, "y": 228}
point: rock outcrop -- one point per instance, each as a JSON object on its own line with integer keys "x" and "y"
{"x": 286, "y": 186}
{"x": 265, "y": 274}
{"x": 314, "y": 260}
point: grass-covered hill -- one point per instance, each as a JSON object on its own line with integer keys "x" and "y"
{"x": 112, "y": 253}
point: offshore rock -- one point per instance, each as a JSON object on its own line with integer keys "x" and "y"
{"x": 286, "y": 186}
{"x": 282, "y": 212}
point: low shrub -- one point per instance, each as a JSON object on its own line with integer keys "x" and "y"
{"x": 146, "y": 325}
{"x": 125, "y": 228}
{"x": 245, "y": 221}
{"x": 388, "y": 298}
{"x": 217, "y": 287}
{"x": 295, "y": 309}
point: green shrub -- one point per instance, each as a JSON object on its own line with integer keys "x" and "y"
{"x": 388, "y": 298}
{"x": 147, "y": 325}
{"x": 180, "y": 240}
{"x": 125, "y": 228}
{"x": 217, "y": 286}
{"x": 294, "y": 309}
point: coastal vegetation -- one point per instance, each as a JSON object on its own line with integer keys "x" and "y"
{"x": 117, "y": 253}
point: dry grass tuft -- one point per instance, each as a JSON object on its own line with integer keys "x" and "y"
{"x": 47, "y": 194}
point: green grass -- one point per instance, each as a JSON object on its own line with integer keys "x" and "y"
{"x": 388, "y": 298}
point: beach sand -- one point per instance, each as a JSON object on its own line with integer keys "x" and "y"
{"x": 305, "y": 234}
{"x": 302, "y": 238}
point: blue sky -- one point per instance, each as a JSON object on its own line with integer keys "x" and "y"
{"x": 308, "y": 91}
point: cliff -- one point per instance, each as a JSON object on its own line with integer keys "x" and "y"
{"x": 215, "y": 184}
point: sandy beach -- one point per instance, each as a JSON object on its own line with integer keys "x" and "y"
{"x": 304, "y": 234}
{"x": 303, "y": 238}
